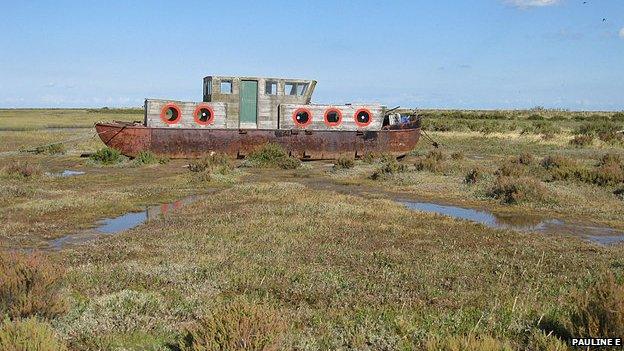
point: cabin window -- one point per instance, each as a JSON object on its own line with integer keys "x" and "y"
{"x": 170, "y": 113}
{"x": 302, "y": 117}
{"x": 204, "y": 115}
{"x": 226, "y": 87}
{"x": 362, "y": 117}
{"x": 333, "y": 117}
{"x": 271, "y": 87}
{"x": 294, "y": 89}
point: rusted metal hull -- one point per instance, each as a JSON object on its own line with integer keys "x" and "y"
{"x": 130, "y": 139}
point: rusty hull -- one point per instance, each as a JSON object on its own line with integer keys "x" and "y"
{"x": 130, "y": 139}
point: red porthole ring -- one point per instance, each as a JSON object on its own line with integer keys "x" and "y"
{"x": 363, "y": 117}
{"x": 171, "y": 114}
{"x": 333, "y": 117}
{"x": 204, "y": 115}
{"x": 302, "y": 117}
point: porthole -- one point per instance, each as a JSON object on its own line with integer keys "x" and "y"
{"x": 362, "y": 117}
{"x": 170, "y": 113}
{"x": 302, "y": 117}
{"x": 204, "y": 115}
{"x": 333, "y": 117}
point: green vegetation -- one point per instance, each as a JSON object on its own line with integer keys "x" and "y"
{"x": 29, "y": 335}
{"x": 106, "y": 156}
{"x": 344, "y": 163}
{"x": 271, "y": 156}
{"x": 29, "y": 286}
{"x": 22, "y": 170}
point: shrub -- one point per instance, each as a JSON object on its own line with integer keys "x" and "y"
{"x": 211, "y": 162}
{"x": 272, "y": 155}
{"x": 146, "y": 158}
{"x": 599, "y": 310}
{"x": 511, "y": 169}
{"x": 29, "y": 286}
{"x": 388, "y": 166}
{"x": 236, "y": 326}
{"x": 52, "y": 149}
{"x": 582, "y": 140}
{"x": 22, "y": 170}
{"x": 106, "y": 156}
{"x": 473, "y": 176}
{"x": 535, "y": 117}
{"x": 602, "y": 129}
{"x": 344, "y": 163}
{"x": 545, "y": 128}
{"x": 618, "y": 117}
{"x": 607, "y": 174}
{"x": 457, "y": 156}
{"x": 525, "y": 158}
{"x": 512, "y": 190}
{"x": 467, "y": 343}
{"x": 562, "y": 168}
{"x": 619, "y": 193}
{"x": 432, "y": 162}
{"x": 608, "y": 159}
{"x": 29, "y": 335}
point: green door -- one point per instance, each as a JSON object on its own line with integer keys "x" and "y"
{"x": 248, "y": 103}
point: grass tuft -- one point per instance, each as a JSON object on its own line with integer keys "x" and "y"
{"x": 29, "y": 335}
{"x": 512, "y": 190}
{"x": 271, "y": 155}
{"x": 106, "y": 156}
{"x": 146, "y": 158}
{"x": 389, "y": 165}
{"x": 473, "y": 176}
{"x": 599, "y": 310}
{"x": 344, "y": 163}
{"x": 582, "y": 140}
{"x": 432, "y": 162}
{"x": 236, "y": 326}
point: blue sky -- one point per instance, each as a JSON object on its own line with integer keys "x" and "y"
{"x": 427, "y": 54}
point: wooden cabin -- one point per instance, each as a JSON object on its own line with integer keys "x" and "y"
{"x": 260, "y": 103}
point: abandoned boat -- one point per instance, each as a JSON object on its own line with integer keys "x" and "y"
{"x": 240, "y": 114}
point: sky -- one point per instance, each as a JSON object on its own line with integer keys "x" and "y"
{"x": 477, "y": 54}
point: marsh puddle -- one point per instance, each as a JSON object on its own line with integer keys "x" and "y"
{"x": 597, "y": 234}
{"x": 66, "y": 173}
{"x": 111, "y": 226}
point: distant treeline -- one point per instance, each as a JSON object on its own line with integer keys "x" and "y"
{"x": 134, "y": 110}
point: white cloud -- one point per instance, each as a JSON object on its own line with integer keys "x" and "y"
{"x": 532, "y": 3}
{"x": 622, "y": 33}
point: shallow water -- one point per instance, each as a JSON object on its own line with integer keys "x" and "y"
{"x": 66, "y": 173}
{"x": 130, "y": 220}
{"x": 597, "y": 234}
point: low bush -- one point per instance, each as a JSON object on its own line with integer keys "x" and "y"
{"x": 510, "y": 168}
{"x": 389, "y": 165}
{"x": 272, "y": 155}
{"x": 432, "y": 162}
{"x": 618, "y": 117}
{"x": 511, "y": 190}
{"x": 562, "y": 168}
{"x": 607, "y": 174}
{"x": 545, "y": 128}
{"x": 237, "y": 326}
{"x": 106, "y": 156}
{"x": 525, "y": 158}
{"x": 473, "y": 176}
{"x": 29, "y": 335}
{"x": 582, "y": 140}
{"x": 344, "y": 163}
{"x": 457, "y": 156}
{"x": 29, "y": 286}
{"x": 619, "y": 193}
{"x": 22, "y": 170}
{"x": 211, "y": 162}
{"x": 146, "y": 158}
{"x": 52, "y": 149}
{"x": 535, "y": 117}
{"x": 598, "y": 310}
{"x": 604, "y": 130}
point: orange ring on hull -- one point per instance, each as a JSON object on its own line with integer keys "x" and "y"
{"x": 361, "y": 124}
{"x": 299, "y": 124}
{"x": 332, "y": 124}
{"x": 163, "y": 113}
{"x": 198, "y": 110}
